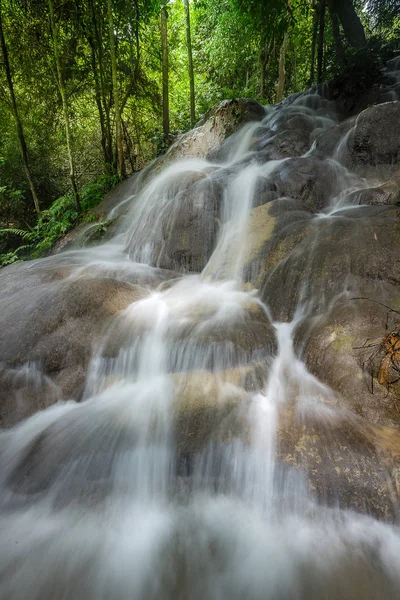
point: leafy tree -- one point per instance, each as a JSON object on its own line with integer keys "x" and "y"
{"x": 190, "y": 62}
{"x": 15, "y": 111}
{"x": 165, "y": 74}
{"x": 94, "y": 90}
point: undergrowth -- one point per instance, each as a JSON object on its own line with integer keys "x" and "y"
{"x": 56, "y": 221}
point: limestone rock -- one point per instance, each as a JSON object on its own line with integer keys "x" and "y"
{"x": 216, "y": 125}
{"x": 343, "y": 349}
{"x": 53, "y": 324}
{"x": 189, "y": 235}
{"x": 374, "y": 139}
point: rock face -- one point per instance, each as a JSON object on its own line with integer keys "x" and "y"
{"x": 215, "y": 127}
{"x": 53, "y": 324}
{"x": 367, "y": 144}
{"x": 189, "y": 236}
{"x": 301, "y": 205}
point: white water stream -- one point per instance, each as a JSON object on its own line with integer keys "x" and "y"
{"x": 117, "y": 511}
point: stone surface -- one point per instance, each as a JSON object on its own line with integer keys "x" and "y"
{"x": 337, "y": 273}
{"x": 374, "y": 139}
{"x": 343, "y": 461}
{"x": 190, "y": 233}
{"x": 54, "y": 324}
{"x": 216, "y": 125}
{"x": 302, "y": 261}
{"x": 343, "y": 349}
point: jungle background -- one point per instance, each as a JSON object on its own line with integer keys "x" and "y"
{"x": 92, "y": 90}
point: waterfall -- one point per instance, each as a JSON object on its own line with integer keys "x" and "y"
{"x": 174, "y": 477}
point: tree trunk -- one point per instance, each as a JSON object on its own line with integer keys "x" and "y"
{"x": 190, "y": 62}
{"x": 118, "y": 127}
{"x": 320, "y": 58}
{"x": 99, "y": 104}
{"x": 336, "y": 34}
{"x": 20, "y": 131}
{"x": 63, "y": 94}
{"x": 104, "y": 94}
{"x": 313, "y": 45}
{"x": 93, "y": 39}
{"x": 263, "y": 63}
{"x": 137, "y": 38}
{"x": 282, "y": 70}
{"x": 262, "y": 74}
{"x": 352, "y": 26}
{"x": 164, "y": 48}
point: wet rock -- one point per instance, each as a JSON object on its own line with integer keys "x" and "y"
{"x": 285, "y": 144}
{"x": 303, "y": 262}
{"x": 203, "y": 341}
{"x": 24, "y": 391}
{"x": 341, "y": 459}
{"x": 311, "y": 180}
{"x": 74, "y": 455}
{"x": 216, "y": 125}
{"x": 189, "y": 234}
{"x": 374, "y": 139}
{"x": 331, "y": 143}
{"x": 55, "y": 324}
{"x": 381, "y": 194}
{"x": 210, "y": 406}
{"x": 344, "y": 350}
{"x": 179, "y": 221}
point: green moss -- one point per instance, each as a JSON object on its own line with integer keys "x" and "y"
{"x": 395, "y": 303}
{"x": 100, "y": 232}
{"x": 343, "y": 342}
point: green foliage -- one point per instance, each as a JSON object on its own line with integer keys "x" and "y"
{"x": 9, "y": 258}
{"x": 236, "y": 48}
{"x": 93, "y": 193}
{"x": 99, "y": 232}
{"x": 56, "y": 221}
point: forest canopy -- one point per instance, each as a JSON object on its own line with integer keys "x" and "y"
{"x": 91, "y": 90}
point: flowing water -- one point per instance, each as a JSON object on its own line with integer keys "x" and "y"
{"x": 126, "y": 494}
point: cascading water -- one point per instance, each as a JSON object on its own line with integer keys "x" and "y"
{"x": 127, "y": 495}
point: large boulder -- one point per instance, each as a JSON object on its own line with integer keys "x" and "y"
{"x": 189, "y": 234}
{"x": 206, "y": 137}
{"x": 300, "y": 260}
{"x": 368, "y": 145}
{"x": 207, "y": 407}
{"x": 374, "y": 139}
{"x": 219, "y": 123}
{"x": 175, "y": 223}
{"x": 345, "y": 348}
{"x": 344, "y": 461}
{"x": 314, "y": 182}
{"x": 51, "y": 324}
{"x": 199, "y": 336}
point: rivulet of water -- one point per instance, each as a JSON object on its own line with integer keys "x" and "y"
{"x": 167, "y": 481}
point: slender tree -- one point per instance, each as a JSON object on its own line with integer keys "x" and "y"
{"x": 282, "y": 69}
{"x": 336, "y": 34}
{"x": 352, "y": 26}
{"x": 313, "y": 42}
{"x": 320, "y": 56}
{"x": 164, "y": 53}
{"x": 14, "y": 108}
{"x": 117, "y": 110}
{"x": 190, "y": 62}
{"x": 64, "y": 100}
{"x": 93, "y": 34}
